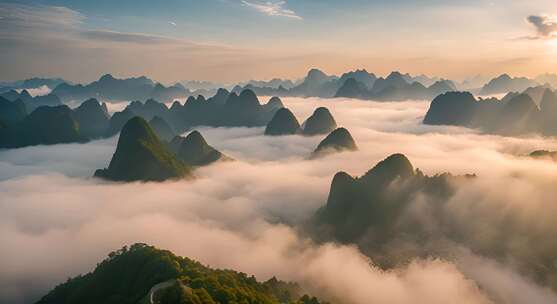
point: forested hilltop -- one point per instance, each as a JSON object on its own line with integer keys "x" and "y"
{"x": 144, "y": 274}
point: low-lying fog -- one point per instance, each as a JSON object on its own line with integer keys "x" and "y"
{"x": 56, "y": 221}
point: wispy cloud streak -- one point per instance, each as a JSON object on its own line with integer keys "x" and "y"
{"x": 272, "y": 8}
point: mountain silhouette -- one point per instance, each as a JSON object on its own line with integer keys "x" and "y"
{"x": 11, "y": 111}
{"x": 514, "y": 114}
{"x": 505, "y": 83}
{"x": 338, "y": 140}
{"x": 353, "y": 89}
{"x": 118, "y": 120}
{"x": 110, "y": 88}
{"x": 548, "y": 112}
{"x": 320, "y": 122}
{"x": 44, "y": 126}
{"x": 274, "y": 104}
{"x": 194, "y": 150}
{"x": 362, "y": 76}
{"x": 140, "y": 156}
{"x": 31, "y": 103}
{"x": 283, "y": 123}
{"x": 452, "y": 108}
{"x": 365, "y": 210}
{"x": 92, "y": 118}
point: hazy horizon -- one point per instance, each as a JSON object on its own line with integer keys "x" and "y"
{"x": 229, "y": 41}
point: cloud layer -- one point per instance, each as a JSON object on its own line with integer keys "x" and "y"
{"x": 57, "y": 221}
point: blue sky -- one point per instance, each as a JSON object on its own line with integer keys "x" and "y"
{"x": 232, "y": 40}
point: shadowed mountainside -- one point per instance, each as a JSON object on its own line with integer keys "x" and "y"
{"x": 515, "y": 114}
{"x": 194, "y": 150}
{"x": 141, "y": 156}
{"x": 337, "y": 141}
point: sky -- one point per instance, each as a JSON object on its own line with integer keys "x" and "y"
{"x": 234, "y": 40}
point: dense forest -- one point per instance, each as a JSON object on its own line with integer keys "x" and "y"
{"x": 128, "y": 275}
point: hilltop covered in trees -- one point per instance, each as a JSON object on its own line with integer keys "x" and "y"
{"x": 128, "y": 274}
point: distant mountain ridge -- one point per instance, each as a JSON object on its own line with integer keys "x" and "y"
{"x": 31, "y": 83}
{"x": 31, "y": 103}
{"x": 505, "y": 83}
{"x": 515, "y": 114}
{"x": 360, "y": 84}
{"x": 110, "y": 88}
{"x": 395, "y": 87}
{"x": 91, "y": 118}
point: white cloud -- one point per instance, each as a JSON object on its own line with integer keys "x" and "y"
{"x": 233, "y": 215}
{"x": 272, "y": 8}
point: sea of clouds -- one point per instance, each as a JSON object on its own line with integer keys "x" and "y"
{"x": 56, "y": 221}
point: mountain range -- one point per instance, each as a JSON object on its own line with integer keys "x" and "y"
{"x": 110, "y": 88}
{"x": 31, "y": 83}
{"x": 505, "y": 83}
{"x": 31, "y": 103}
{"x": 91, "y": 119}
{"x": 360, "y": 84}
{"x": 515, "y": 114}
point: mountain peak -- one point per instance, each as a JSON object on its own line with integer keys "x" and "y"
{"x": 283, "y": 123}
{"x": 396, "y": 165}
{"x": 248, "y": 94}
{"x": 338, "y": 140}
{"x": 314, "y": 72}
{"x": 395, "y": 75}
{"x": 25, "y": 95}
{"x": 316, "y": 76}
{"x": 106, "y": 77}
{"x": 194, "y": 150}
{"x": 140, "y": 156}
{"x": 195, "y": 138}
{"x": 320, "y": 122}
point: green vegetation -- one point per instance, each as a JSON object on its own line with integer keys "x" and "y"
{"x": 127, "y": 276}
{"x": 140, "y": 156}
{"x": 44, "y": 126}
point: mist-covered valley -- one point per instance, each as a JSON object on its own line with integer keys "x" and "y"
{"x": 255, "y": 214}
